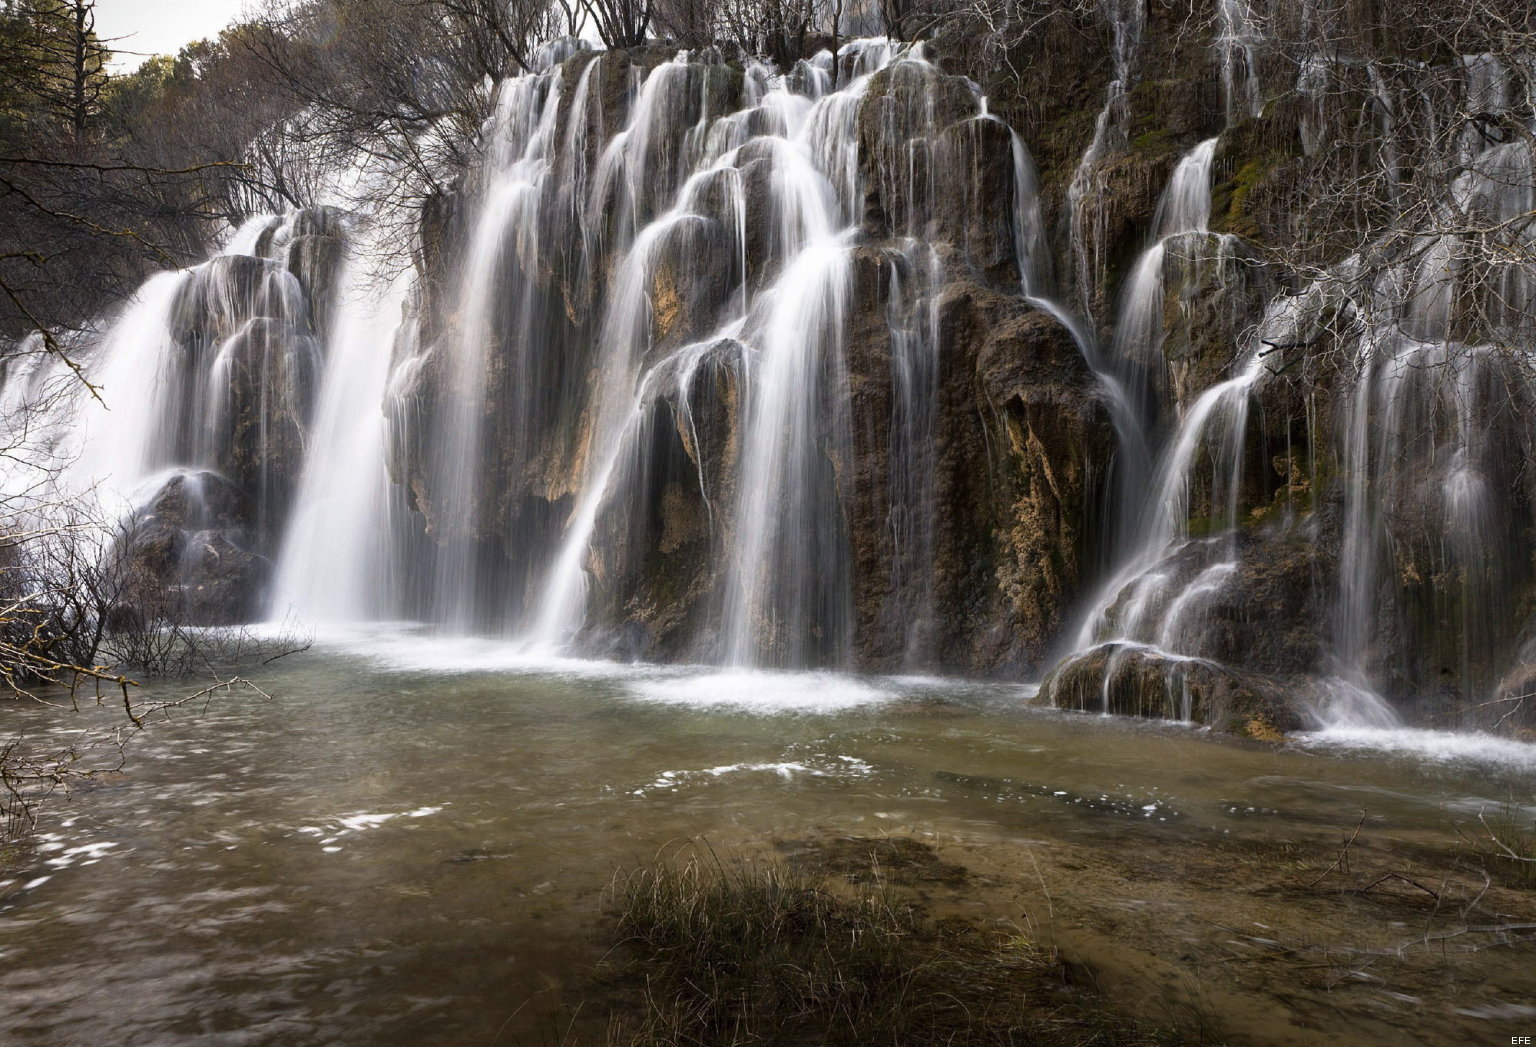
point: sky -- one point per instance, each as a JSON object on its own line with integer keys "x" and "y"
{"x": 155, "y": 27}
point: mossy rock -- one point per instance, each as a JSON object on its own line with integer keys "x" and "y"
{"x": 1258, "y": 165}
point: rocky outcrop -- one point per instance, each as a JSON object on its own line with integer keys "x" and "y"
{"x": 185, "y": 557}
{"x": 1126, "y": 680}
{"x": 1049, "y": 438}
{"x": 271, "y": 369}
{"x": 654, "y": 565}
{"x": 247, "y": 337}
{"x": 1213, "y": 290}
{"x": 315, "y": 262}
{"x": 975, "y": 570}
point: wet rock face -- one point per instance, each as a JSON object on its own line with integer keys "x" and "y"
{"x": 1213, "y": 289}
{"x": 221, "y": 583}
{"x": 694, "y": 274}
{"x": 1286, "y": 575}
{"x": 272, "y": 369}
{"x": 185, "y": 556}
{"x": 315, "y": 261}
{"x": 1259, "y": 173}
{"x": 653, "y": 564}
{"x": 1456, "y": 588}
{"x": 935, "y": 168}
{"x": 975, "y": 194}
{"x": 219, "y": 298}
{"x": 1017, "y": 437}
{"x": 1127, "y": 680}
{"x": 904, "y": 107}
{"x": 247, "y": 337}
{"x": 1124, "y": 189}
{"x": 1049, "y": 439}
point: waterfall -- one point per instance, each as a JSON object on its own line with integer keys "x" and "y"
{"x": 915, "y": 345}
{"x": 613, "y": 343}
{"x": 784, "y": 546}
{"x": 205, "y": 369}
{"x": 1238, "y": 44}
{"x": 1434, "y": 434}
{"x": 520, "y": 133}
{"x": 626, "y": 339}
{"x": 1432, "y": 461}
{"x": 1127, "y": 19}
{"x": 1131, "y": 373}
{"x": 1135, "y": 355}
{"x": 1153, "y": 608}
{"x": 1428, "y": 433}
{"x": 1153, "y": 601}
{"x": 705, "y": 360}
{"x": 116, "y": 439}
{"x": 336, "y": 559}
{"x": 176, "y": 465}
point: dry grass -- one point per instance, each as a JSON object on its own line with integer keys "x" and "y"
{"x": 1506, "y": 844}
{"x": 713, "y": 952}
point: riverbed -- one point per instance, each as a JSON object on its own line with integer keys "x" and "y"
{"x": 412, "y": 839}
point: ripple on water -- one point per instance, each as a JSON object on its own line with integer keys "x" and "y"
{"x": 330, "y": 834}
{"x": 788, "y": 770}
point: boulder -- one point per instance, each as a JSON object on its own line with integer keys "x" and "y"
{"x": 1132, "y": 680}
{"x": 185, "y": 555}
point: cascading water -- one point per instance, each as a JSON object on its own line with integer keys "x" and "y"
{"x": 1417, "y": 454}
{"x": 780, "y": 599}
{"x": 336, "y": 557}
{"x": 136, "y": 364}
{"x": 708, "y": 207}
{"x": 520, "y": 132}
{"x": 915, "y": 343}
{"x": 704, "y": 361}
{"x": 1136, "y": 352}
{"x": 1149, "y": 611}
{"x": 194, "y": 434}
{"x": 1434, "y": 442}
{"x": 643, "y": 348}
{"x": 786, "y": 547}
{"x": 1238, "y": 44}
{"x": 1127, "y": 19}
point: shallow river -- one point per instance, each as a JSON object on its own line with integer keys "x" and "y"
{"x": 386, "y": 853}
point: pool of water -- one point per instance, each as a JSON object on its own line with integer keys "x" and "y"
{"x": 390, "y": 852}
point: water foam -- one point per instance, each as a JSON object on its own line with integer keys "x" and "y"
{"x": 406, "y": 647}
{"x": 1448, "y": 747}
{"x": 766, "y": 693}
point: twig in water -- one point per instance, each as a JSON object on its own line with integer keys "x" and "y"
{"x": 1396, "y": 876}
{"x": 1341, "y": 863}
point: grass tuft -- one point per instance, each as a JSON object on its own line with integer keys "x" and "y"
{"x": 1507, "y": 844}
{"x": 760, "y": 952}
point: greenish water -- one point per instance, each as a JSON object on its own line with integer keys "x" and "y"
{"x": 386, "y": 853}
